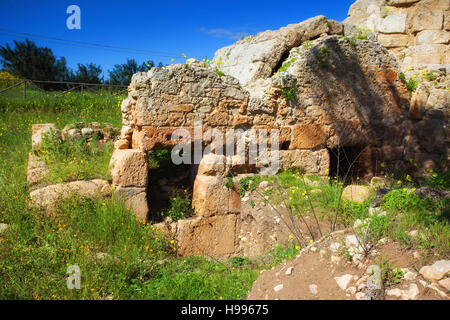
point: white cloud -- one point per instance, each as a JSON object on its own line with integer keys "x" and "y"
{"x": 223, "y": 33}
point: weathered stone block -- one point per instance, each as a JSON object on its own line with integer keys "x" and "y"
{"x": 37, "y": 169}
{"x": 211, "y": 197}
{"x": 395, "y": 23}
{"x": 37, "y": 131}
{"x": 207, "y": 236}
{"x": 313, "y": 162}
{"x": 135, "y": 200}
{"x": 401, "y": 2}
{"x": 307, "y": 136}
{"x": 423, "y": 19}
{"x": 426, "y": 54}
{"x": 129, "y": 168}
{"x": 154, "y": 138}
{"x": 212, "y": 165}
{"x": 433, "y": 36}
{"x": 356, "y": 193}
{"x": 47, "y": 197}
{"x": 394, "y": 40}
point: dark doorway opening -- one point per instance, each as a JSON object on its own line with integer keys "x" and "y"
{"x": 346, "y": 163}
{"x": 166, "y": 180}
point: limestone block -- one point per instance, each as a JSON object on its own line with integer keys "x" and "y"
{"x": 129, "y": 168}
{"x": 426, "y": 54}
{"x": 307, "y": 136}
{"x": 313, "y": 162}
{"x": 356, "y": 193}
{"x": 37, "y": 131}
{"x": 394, "y": 40}
{"x": 46, "y": 197}
{"x": 211, "y": 197}
{"x": 395, "y": 23}
{"x": 433, "y": 36}
{"x": 207, "y": 236}
{"x": 423, "y": 19}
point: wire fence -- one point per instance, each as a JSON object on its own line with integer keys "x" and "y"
{"x": 63, "y": 87}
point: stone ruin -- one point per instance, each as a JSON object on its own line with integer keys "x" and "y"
{"x": 323, "y": 91}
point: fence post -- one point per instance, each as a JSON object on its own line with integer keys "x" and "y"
{"x": 81, "y": 90}
{"x": 25, "y": 89}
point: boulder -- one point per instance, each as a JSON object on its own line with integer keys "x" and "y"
{"x": 47, "y": 197}
{"x": 3, "y": 228}
{"x": 436, "y": 271}
{"x": 356, "y": 193}
{"x": 256, "y": 57}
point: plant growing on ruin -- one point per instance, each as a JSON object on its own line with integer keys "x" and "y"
{"x": 361, "y": 34}
{"x": 248, "y": 184}
{"x": 307, "y": 44}
{"x": 429, "y": 75}
{"x": 385, "y": 11}
{"x": 286, "y": 65}
{"x": 229, "y": 182}
{"x": 323, "y": 62}
{"x": 411, "y": 85}
{"x": 180, "y": 206}
{"x": 288, "y": 93}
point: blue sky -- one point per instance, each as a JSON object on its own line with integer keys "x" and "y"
{"x": 166, "y": 28}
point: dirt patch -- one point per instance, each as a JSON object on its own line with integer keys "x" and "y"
{"x": 311, "y": 275}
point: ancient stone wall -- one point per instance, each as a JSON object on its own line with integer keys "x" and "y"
{"x": 417, "y": 32}
{"x": 319, "y": 90}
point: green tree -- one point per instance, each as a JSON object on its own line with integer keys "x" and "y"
{"x": 90, "y": 73}
{"x": 121, "y": 73}
{"x": 27, "y": 60}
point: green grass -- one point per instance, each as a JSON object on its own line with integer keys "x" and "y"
{"x": 140, "y": 262}
{"x": 75, "y": 160}
{"x": 405, "y": 210}
{"x": 410, "y": 211}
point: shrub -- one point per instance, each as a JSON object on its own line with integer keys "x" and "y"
{"x": 439, "y": 180}
{"x": 411, "y": 85}
{"x": 248, "y": 184}
{"x": 405, "y": 200}
{"x": 180, "y": 206}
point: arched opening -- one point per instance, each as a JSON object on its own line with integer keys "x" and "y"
{"x": 347, "y": 163}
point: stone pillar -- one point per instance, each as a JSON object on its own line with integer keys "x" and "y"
{"x": 129, "y": 171}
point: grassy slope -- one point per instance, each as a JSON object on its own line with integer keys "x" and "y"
{"x": 36, "y": 250}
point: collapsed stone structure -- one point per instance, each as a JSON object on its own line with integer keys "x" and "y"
{"x": 324, "y": 92}
{"x": 417, "y": 32}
